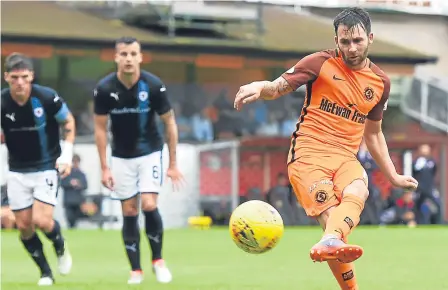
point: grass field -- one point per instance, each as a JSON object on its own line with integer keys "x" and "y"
{"x": 395, "y": 258}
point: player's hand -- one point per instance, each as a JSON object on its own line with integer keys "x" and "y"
{"x": 64, "y": 169}
{"x": 107, "y": 180}
{"x": 248, "y": 94}
{"x": 406, "y": 182}
{"x": 176, "y": 177}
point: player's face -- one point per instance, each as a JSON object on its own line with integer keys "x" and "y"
{"x": 128, "y": 57}
{"x": 354, "y": 45}
{"x": 19, "y": 81}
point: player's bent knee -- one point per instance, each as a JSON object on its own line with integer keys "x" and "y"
{"x": 358, "y": 188}
{"x": 24, "y": 225}
{"x": 130, "y": 207}
{"x": 44, "y": 223}
{"x": 149, "y": 201}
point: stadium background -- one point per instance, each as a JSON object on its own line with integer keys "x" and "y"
{"x": 203, "y": 51}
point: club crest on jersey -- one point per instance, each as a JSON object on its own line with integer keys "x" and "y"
{"x": 321, "y": 196}
{"x": 38, "y": 112}
{"x": 369, "y": 93}
{"x": 143, "y": 96}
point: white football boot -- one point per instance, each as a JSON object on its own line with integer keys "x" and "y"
{"x": 163, "y": 274}
{"x": 45, "y": 281}
{"x": 65, "y": 261}
{"x": 135, "y": 278}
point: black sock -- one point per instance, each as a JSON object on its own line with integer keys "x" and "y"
{"x": 154, "y": 232}
{"x": 35, "y": 248}
{"x": 56, "y": 237}
{"x": 131, "y": 239}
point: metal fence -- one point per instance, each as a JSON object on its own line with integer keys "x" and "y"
{"x": 427, "y": 101}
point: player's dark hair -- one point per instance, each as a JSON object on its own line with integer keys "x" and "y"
{"x": 126, "y": 40}
{"x": 352, "y": 17}
{"x": 76, "y": 158}
{"x": 18, "y": 61}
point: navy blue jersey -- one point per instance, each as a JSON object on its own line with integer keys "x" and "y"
{"x": 32, "y": 130}
{"x": 132, "y": 113}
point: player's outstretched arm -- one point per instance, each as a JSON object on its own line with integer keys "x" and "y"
{"x": 265, "y": 90}
{"x": 376, "y": 143}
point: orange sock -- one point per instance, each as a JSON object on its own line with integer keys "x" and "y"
{"x": 344, "y": 274}
{"x": 345, "y": 217}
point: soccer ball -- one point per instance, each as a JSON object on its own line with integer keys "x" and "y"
{"x": 256, "y": 226}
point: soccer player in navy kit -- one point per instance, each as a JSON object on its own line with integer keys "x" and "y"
{"x": 31, "y": 116}
{"x": 132, "y": 98}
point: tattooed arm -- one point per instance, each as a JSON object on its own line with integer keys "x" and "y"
{"x": 265, "y": 90}
{"x": 275, "y": 89}
{"x": 305, "y": 71}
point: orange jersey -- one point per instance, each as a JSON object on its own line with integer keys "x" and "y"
{"x": 338, "y": 101}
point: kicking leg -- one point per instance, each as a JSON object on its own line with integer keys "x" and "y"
{"x": 346, "y": 216}
{"x": 339, "y": 225}
{"x": 131, "y": 238}
{"x": 154, "y": 232}
{"x": 342, "y": 220}
{"x": 350, "y": 179}
{"x": 43, "y": 219}
{"x": 343, "y": 272}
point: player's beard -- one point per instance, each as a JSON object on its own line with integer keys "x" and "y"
{"x": 355, "y": 62}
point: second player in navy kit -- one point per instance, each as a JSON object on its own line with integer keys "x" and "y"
{"x": 31, "y": 116}
{"x": 132, "y": 98}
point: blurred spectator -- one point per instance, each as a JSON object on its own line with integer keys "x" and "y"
{"x": 288, "y": 125}
{"x": 74, "y": 186}
{"x": 8, "y": 220}
{"x": 424, "y": 170}
{"x": 202, "y": 127}
{"x": 271, "y": 128}
{"x": 229, "y": 119}
{"x": 251, "y": 124}
{"x": 402, "y": 212}
{"x": 279, "y": 197}
{"x": 405, "y": 209}
{"x": 373, "y": 206}
{"x": 85, "y": 123}
{"x": 183, "y": 123}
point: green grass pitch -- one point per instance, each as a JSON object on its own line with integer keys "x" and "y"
{"x": 395, "y": 258}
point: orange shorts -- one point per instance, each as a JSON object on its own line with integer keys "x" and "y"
{"x": 318, "y": 180}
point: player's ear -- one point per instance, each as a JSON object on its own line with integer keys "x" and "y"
{"x": 140, "y": 57}
{"x": 31, "y": 77}
{"x": 117, "y": 56}
{"x": 336, "y": 40}
{"x": 370, "y": 37}
{"x": 6, "y": 77}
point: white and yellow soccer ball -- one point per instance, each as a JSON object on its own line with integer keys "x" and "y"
{"x": 256, "y": 227}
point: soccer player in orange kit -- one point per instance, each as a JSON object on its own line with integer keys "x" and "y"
{"x": 346, "y": 96}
